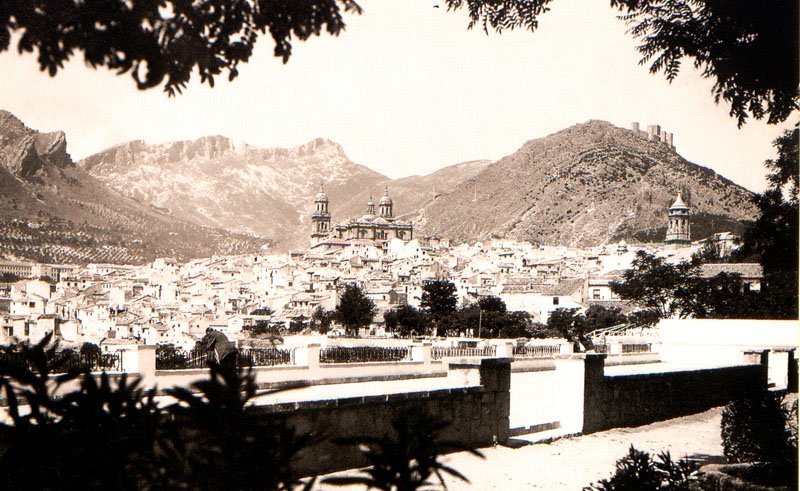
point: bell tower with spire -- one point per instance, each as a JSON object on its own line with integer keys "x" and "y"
{"x": 385, "y": 204}
{"x": 321, "y": 218}
{"x": 678, "y": 228}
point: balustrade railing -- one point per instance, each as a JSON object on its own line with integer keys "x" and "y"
{"x": 67, "y": 360}
{"x": 362, "y": 354}
{"x": 537, "y": 351}
{"x": 437, "y": 353}
{"x": 637, "y": 348}
{"x": 194, "y": 359}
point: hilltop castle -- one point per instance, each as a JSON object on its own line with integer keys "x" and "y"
{"x": 654, "y": 133}
{"x": 380, "y": 227}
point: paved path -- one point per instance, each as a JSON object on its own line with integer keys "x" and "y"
{"x": 572, "y": 463}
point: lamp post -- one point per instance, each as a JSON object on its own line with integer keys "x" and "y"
{"x": 480, "y": 321}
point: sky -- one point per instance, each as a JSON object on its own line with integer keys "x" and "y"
{"x": 406, "y": 89}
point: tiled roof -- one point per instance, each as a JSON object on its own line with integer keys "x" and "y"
{"x": 746, "y": 270}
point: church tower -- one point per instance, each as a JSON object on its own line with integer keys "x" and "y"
{"x": 678, "y": 229}
{"x": 385, "y": 204}
{"x": 321, "y": 218}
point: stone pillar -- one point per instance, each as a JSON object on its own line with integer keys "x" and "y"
{"x": 791, "y": 379}
{"x": 307, "y": 356}
{"x": 130, "y": 361}
{"x": 579, "y": 383}
{"x": 495, "y": 376}
{"x": 567, "y": 348}
{"x": 759, "y": 357}
{"x": 422, "y": 352}
{"x": 505, "y": 350}
{"x": 615, "y": 347}
{"x": 147, "y": 365}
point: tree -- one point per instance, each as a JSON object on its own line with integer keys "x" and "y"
{"x": 323, "y": 319}
{"x": 164, "y": 41}
{"x": 439, "y": 300}
{"x": 262, "y": 311}
{"x": 572, "y": 327}
{"x": 355, "y": 310}
{"x": 599, "y": 317}
{"x": 749, "y": 49}
{"x": 492, "y": 304}
{"x": 773, "y": 238}
{"x": 407, "y": 320}
{"x": 9, "y": 278}
{"x": 651, "y": 284}
{"x": 664, "y": 290}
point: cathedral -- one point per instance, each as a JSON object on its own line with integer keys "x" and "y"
{"x": 380, "y": 227}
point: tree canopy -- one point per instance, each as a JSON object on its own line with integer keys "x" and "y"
{"x": 749, "y": 49}
{"x": 164, "y": 41}
{"x": 438, "y": 299}
{"x": 355, "y": 310}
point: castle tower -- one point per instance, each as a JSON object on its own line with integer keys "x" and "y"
{"x": 678, "y": 229}
{"x": 385, "y": 205}
{"x": 321, "y": 218}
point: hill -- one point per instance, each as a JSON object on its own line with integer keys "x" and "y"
{"x": 53, "y": 211}
{"x": 588, "y": 184}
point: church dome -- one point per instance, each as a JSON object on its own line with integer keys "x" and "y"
{"x": 321, "y": 197}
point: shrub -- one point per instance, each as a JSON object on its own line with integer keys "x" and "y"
{"x": 761, "y": 427}
{"x": 407, "y": 460}
{"x": 112, "y": 434}
{"x": 638, "y": 472}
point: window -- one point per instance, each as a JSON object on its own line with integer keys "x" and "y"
{"x": 555, "y": 300}
{"x": 596, "y": 294}
{"x": 31, "y": 304}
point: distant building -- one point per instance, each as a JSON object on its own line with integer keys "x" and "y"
{"x": 678, "y": 228}
{"x": 381, "y": 227}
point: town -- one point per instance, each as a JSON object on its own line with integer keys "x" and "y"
{"x": 164, "y": 303}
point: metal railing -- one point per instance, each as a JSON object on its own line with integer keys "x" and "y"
{"x": 363, "y": 354}
{"x": 537, "y": 351}
{"x": 195, "y": 359}
{"x": 637, "y": 348}
{"x": 437, "y": 353}
{"x": 265, "y": 357}
{"x": 67, "y": 360}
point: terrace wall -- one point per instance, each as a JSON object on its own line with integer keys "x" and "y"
{"x": 479, "y": 417}
{"x": 598, "y": 401}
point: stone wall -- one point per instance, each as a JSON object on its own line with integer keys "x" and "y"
{"x": 632, "y": 400}
{"x": 479, "y": 417}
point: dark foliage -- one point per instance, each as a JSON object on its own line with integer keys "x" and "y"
{"x": 111, "y": 434}
{"x": 164, "y": 41}
{"x": 571, "y": 326}
{"x": 438, "y": 300}
{"x": 599, "y": 317}
{"x": 407, "y": 320}
{"x": 663, "y": 290}
{"x": 773, "y": 238}
{"x": 749, "y": 49}
{"x": 355, "y": 310}
{"x": 760, "y": 427}
{"x": 407, "y": 460}
{"x": 638, "y": 472}
{"x": 322, "y": 319}
{"x": 9, "y": 278}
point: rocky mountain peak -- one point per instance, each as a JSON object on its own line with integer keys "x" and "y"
{"x": 26, "y": 152}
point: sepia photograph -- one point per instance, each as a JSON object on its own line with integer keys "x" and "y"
{"x": 466, "y": 245}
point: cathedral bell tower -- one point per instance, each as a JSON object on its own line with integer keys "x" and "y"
{"x": 385, "y": 205}
{"x": 321, "y": 218}
{"x": 678, "y": 229}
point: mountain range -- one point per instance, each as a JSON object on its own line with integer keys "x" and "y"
{"x": 591, "y": 183}
{"x": 53, "y": 211}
